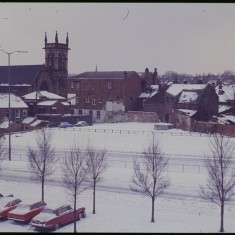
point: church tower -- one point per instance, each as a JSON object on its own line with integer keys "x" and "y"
{"x": 56, "y": 63}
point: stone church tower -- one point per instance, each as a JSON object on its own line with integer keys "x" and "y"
{"x": 56, "y": 64}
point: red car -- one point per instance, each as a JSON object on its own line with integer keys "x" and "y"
{"x": 51, "y": 218}
{"x": 25, "y": 212}
{"x": 7, "y": 204}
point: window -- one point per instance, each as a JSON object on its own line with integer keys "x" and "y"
{"x": 100, "y": 100}
{"x": 90, "y": 112}
{"x": 87, "y": 100}
{"x": 93, "y": 101}
{"x": 109, "y": 85}
{"x": 77, "y": 100}
{"x": 98, "y": 114}
{"x": 25, "y": 113}
{"x": 80, "y": 111}
{"x": 17, "y": 113}
{"x": 78, "y": 85}
{"x": 72, "y": 85}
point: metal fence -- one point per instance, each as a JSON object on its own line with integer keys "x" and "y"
{"x": 20, "y": 154}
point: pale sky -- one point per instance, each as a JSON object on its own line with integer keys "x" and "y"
{"x": 182, "y": 37}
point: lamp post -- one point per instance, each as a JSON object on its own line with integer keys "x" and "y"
{"x": 9, "y": 95}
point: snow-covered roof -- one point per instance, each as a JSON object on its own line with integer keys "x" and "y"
{"x": 65, "y": 103}
{"x": 175, "y": 89}
{"x": 188, "y": 96}
{"x": 223, "y": 108}
{"x": 28, "y": 120}
{"x": 226, "y": 119}
{"x": 42, "y": 94}
{"x": 228, "y": 93}
{"x": 37, "y": 122}
{"x": 150, "y": 92}
{"x": 15, "y": 101}
{"x": 47, "y": 103}
{"x": 5, "y": 124}
{"x": 188, "y": 112}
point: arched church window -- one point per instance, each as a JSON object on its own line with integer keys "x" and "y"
{"x": 52, "y": 61}
{"x": 63, "y": 62}
{"x": 60, "y": 62}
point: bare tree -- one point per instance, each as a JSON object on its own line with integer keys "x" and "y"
{"x": 221, "y": 182}
{"x": 74, "y": 174}
{"x": 96, "y": 165}
{"x": 150, "y": 179}
{"x": 42, "y": 160}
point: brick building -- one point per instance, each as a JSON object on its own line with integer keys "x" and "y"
{"x": 106, "y": 95}
{"x": 201, "y": 98}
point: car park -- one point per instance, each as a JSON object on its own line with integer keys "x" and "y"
{"x": 81, "y": 123}
{"x": 65, "y": 125}
{"x": 7, "y": 204}
{"x": 53, "y": 217}
{"x": 24, "y": 212}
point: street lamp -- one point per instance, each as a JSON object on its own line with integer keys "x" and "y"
{"x": 9, "y": 95}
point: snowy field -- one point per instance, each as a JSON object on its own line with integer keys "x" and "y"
{"x": 120, "y": 210}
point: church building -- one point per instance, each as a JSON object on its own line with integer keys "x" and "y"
{"x": 50, "y": 76}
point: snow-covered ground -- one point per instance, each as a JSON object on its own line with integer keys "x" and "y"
{"x": 117, "y": 208}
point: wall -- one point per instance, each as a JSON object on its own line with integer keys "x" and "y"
{"x": 136, "y": 116}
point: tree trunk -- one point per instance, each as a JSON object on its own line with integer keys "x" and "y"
{"x": 222, "y": 218}
{"x": 152, "y": 219}
{"x": 74, "y": 214}
{"x": 43, "y": 189}
{"x": 94, "y": 197}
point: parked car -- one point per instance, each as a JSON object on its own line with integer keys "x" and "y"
{"x": 65, "y": 125}
{"x": 52, "y": 218}
{"x": 7, "y": 204}
{"x": 81, "y": 123}
{"x": 24, "y": 212}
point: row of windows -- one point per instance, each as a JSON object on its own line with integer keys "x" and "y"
{"x": 88, "y": 86}
{"x": 100, "y": 100}
{"x": 17, "y": 113}
{"x": 91, "y": 113}
{"x": 89, "y": 100}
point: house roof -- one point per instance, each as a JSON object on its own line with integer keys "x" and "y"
{"x": 38, "y": 122}
{"x": 190, "y": 96}
{"x": 101, "y": 75}
{"x": 228, "y": 93}
{"x": 226, "y": 119}
{"x": 188, "y": 112}
{"x": 223, "y": 108}
{"x": 47, "y": 103}
{"x": 5, "y": 124}
{"x": 37, "y": 95}
{"x": 20, "y": 74}
{"x": 15, "y": 101}
{"x": 150, "y": 92}
{"x": 175, "y": 89}
{"x": 28, "y": 120}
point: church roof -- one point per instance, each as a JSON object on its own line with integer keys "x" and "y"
{"x": 19, "y": 74}
{"x": 102, "y": 75}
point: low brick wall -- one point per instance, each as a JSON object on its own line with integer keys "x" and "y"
{"x": 136, "y": 116}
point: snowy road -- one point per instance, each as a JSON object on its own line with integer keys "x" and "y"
{"x": 111, "y": 183}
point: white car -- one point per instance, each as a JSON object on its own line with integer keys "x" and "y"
{"x": 81, "y": 123}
